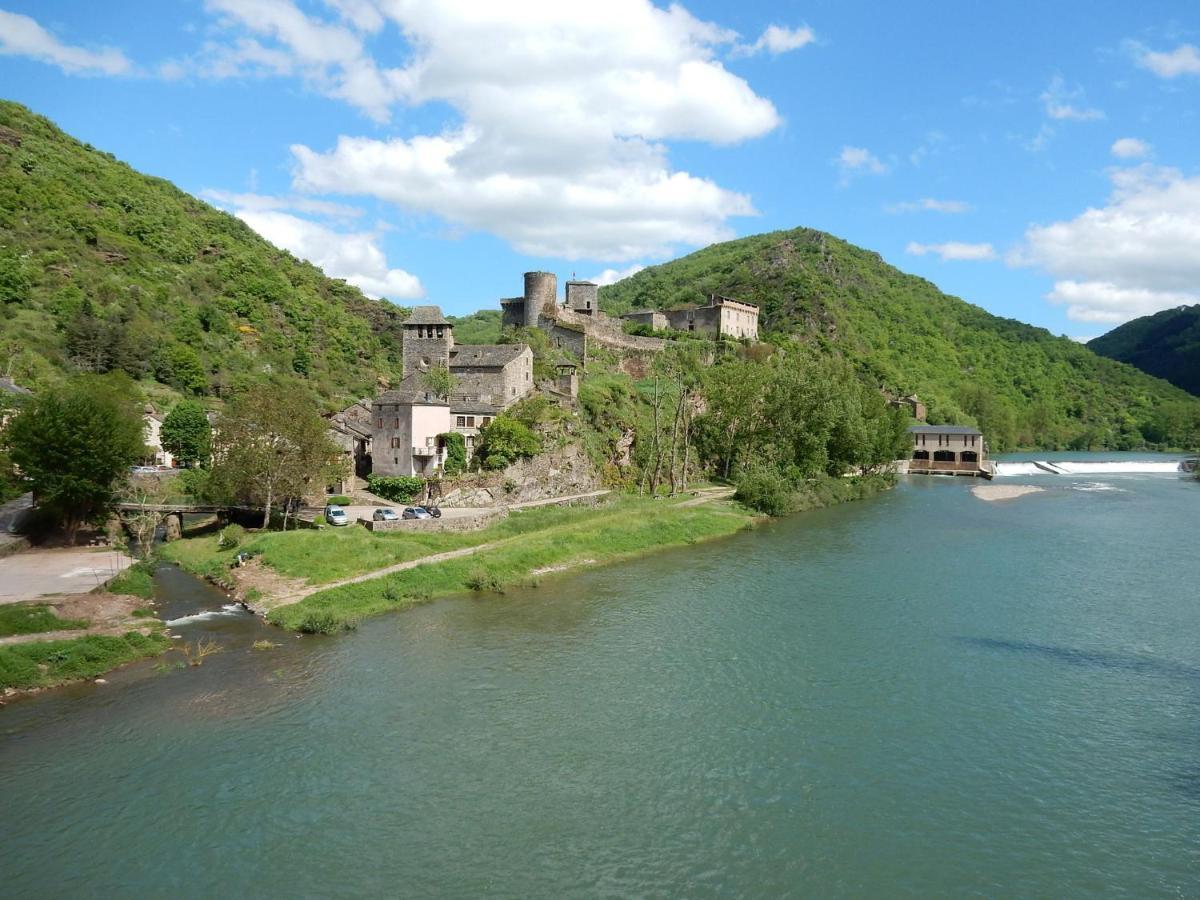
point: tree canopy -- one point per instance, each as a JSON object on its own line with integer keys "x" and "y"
{"x": 186, "y": 433}
{"x": 74, "y": 447}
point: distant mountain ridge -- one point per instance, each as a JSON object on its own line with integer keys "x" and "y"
{"x": 103, "y": 268}
{"x": 1021, "y": 384}
{"x": 1165, "y": 344}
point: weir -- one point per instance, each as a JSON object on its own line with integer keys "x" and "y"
{"x": 1067, "y": 467}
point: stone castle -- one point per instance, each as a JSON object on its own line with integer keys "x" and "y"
{"x": 406, "y": 421}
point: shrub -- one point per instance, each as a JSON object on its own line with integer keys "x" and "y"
{"x": 323, "y": 621}
{"x": 505, "y": 440}
{"x": 480, "y": 579}
{"x": 456, "y": 452}
{"x": 231, "y": 536}
{"x": 766, "y": 491}
{"x": 398, "y": 488}
{"x": 338, "y": 500}
{"x": 137, "y": 580}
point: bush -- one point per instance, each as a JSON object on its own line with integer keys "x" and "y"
{"x": 506, "y": 440}
{"x": 398, "y": 488}
{"x": 230, "y": 537}
{"x": 320, "y": 621}
{"x": 766, "y": 491}
{"x": 480, "y": 579}
{"x": 137, "y": 580}
{"x": 338, "y": 500}
{"x": 456, "y": 452}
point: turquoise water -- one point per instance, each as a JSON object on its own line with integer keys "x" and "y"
{"x": 920, "y": 695}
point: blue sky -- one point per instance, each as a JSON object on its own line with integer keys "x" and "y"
{"x": 1037, "y": 159}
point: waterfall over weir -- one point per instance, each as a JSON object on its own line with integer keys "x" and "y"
{"x": 1065, "y": 467}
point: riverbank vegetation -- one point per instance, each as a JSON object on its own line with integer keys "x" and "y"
{"x": 33, "y": 618}
{"x": 625, "y": 530}
{"x": 49, "y": 663}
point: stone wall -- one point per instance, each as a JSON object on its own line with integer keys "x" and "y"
{"x": 472, "y": 522}
{"x": 561, "y": 472}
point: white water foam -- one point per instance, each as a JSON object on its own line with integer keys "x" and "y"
{"x": 1097, "y": 486}
{"x": 1137, "y": 467}
{"x": 229, "y": 609}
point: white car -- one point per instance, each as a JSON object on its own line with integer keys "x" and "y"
{"x": 335, "y": 515}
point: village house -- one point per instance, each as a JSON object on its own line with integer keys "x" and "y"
{"x": 350, "y": 429}
{"x": 912, "y": 403}
{"x": 948, "y": 449}
{"x": 488, "y": 378}
{"x": 152, "y": 433}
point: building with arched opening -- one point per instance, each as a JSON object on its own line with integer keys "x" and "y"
{"x": 948, "y": 450}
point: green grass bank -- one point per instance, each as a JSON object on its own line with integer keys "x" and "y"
{"x": 50, "y": 663}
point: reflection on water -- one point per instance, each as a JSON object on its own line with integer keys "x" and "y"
{"x": 920, "y": 695}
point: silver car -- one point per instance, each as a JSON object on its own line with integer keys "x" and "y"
{"x": 335, "y": 515}
{"x": 386, "y": 514}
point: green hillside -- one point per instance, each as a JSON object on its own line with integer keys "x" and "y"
{"x": 1023, "y": 385}
{"x": 103, "y": 268}
{"x": 1166, "y": 344}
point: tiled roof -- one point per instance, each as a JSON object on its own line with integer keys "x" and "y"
{"x": 943, "y": 429}
{"x": 426, "y": 315}
{"x": 409, "y": 391}
{"x": 484, "y": 354}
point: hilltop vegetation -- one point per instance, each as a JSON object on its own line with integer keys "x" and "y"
{"x": 105, "y": 269}
{"x": 1166, "y": 345}
{"x": 1021, "y": 384}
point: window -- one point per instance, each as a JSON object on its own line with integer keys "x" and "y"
{"x": 439, "y": 331}
{"x": 397, "y": 423}
{"x": 470, "y": 421}
{"x": 514, "y": 392}
{"x": 460, "y": 422}
{"x": 487, "y": 420}
{"x": 380, "y": 423}
{"x": 526, "y": 376}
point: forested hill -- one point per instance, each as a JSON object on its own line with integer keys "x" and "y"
{"x": 1166, "y": 344}
{"x": 1022, "y": 384}
{"x": 103, "y": 268}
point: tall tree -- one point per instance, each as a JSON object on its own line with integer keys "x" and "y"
{"x": 186, "y": 433}
{"x": 439, "y": 382}
{"x": 75, "y": 445}
{"x": 272, "y": 447}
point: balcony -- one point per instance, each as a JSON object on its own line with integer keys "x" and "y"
{"x": 424, "y": 451}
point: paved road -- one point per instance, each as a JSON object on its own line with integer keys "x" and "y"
{"x": 36, "y": 573}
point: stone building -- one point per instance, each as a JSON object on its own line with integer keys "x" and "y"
{"x": 948, "y": 450}
{"x": 583, "y": 297}
{"x": 351, "y": 430}
{"x": 912, "y": 404}
{"x": 488, "y": 378}
{"x": 721, "y": 317}
{"x": 152, "y": 424}
{"x": 405, "y": 432}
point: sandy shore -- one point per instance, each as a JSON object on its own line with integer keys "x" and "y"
{"x": 1004, "y": 491}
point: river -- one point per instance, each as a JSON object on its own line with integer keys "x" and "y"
{"x": 923, "y": 694}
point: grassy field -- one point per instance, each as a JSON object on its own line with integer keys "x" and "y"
{"x": 331, "y": 554}
{"x": 137, "y": 580}
{"x": 33, "y": 618}
{"x": 621, "y": 530}
{"x": 48, "y": 663}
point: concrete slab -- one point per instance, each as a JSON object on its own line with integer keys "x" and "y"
{"x": 36, "y": 573}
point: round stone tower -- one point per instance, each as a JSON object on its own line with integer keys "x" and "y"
{"x": 541, "y": 291}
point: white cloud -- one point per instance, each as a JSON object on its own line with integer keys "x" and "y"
{"x": 1183, "y": 60}
{"x": 777, "y": 39}
{"x": 559, "y": 147}
{"x": 1130, "y": 148}
{"x": 1103, "y": 301}
{"x": 23, "y": 36}
{"x": 854, "y": 161}
{"x": 260, "y": 202}
{"x": 612, "y": 276}
{"x": 929, "y": 204}
{"x": 1138, "y": 254}
{"x": 1059, "y": 102}
{"x": 953, "y": 250}
{"x": 354, "y": 256}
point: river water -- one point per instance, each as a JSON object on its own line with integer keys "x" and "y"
{"x": 920, "y": 695}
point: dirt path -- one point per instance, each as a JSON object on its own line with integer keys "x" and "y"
{"x": 550, "y": 501}
{"x": 708, "y": 495}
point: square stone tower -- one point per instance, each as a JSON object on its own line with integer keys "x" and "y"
{"x": 583, "y": 297}
{"x": 428, "y": 340}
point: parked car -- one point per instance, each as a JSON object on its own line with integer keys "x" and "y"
{"x": 432, "y": 510}
{"x": 142, "y": 470}
{"x": 335, "y": 515}
{"x": 416, "y": 512}
{"x": 386, "y": 514}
